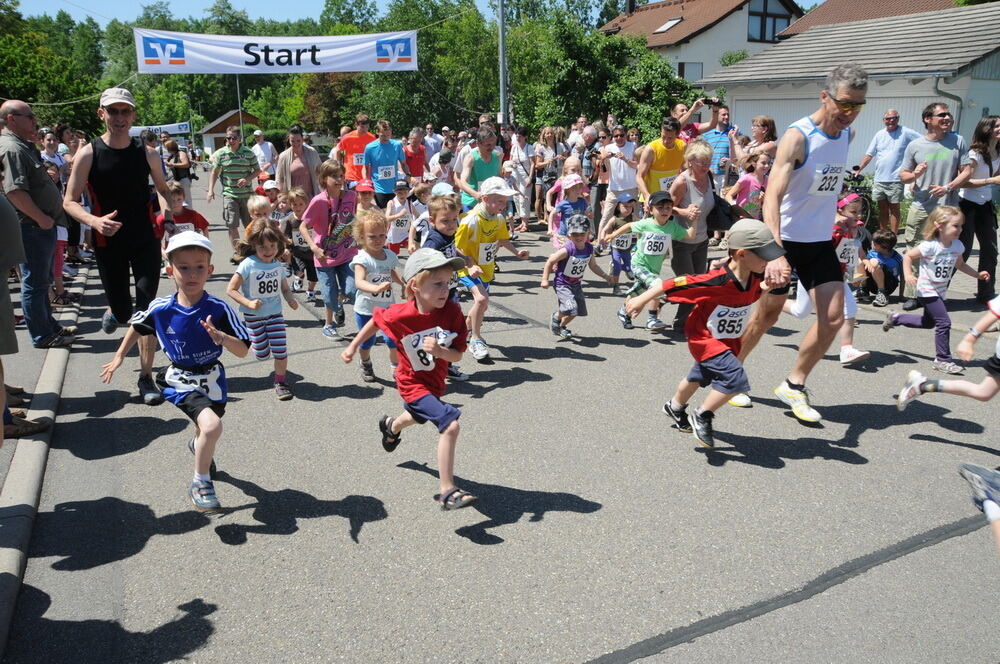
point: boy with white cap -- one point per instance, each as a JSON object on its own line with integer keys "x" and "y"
{"x": 193, "y": 328}
{"x": 482, "y": 232}
{"x": 722, "y": 300}
{"x": 429, "y": 330}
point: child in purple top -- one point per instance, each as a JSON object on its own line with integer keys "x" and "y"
{"x": 570, "y": 263}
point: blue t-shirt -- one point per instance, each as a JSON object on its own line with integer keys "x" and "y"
{"x": 719, "y": 140}
{"x": 892, "y": 264}
{"x": 384, "y": 160}
{"x": 261, "y": 281}
{"x": 570, "y": 270}
{"x": 888, "y": 149}
{"x": 446, "y": 245}
{"x": 565, "y": 210}
{"x": 193, "y": 354}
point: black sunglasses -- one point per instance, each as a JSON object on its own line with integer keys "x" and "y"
{"x": 118, "y": 111}
{"x": 891, "y": 117}
{"x": 946, "y": 114}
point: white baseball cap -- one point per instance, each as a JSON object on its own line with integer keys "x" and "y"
{"x": 496, "y": 186}
{"x": 188, "y": 239}
{"x": 270, "y": 184}
{"x": 258, "y": 132}
{"x": 117, "y": 96}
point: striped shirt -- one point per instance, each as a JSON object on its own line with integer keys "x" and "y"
{"x": 235, "y": 165}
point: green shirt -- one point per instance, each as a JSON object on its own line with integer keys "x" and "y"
{"x": 233, "y": 165}
{"x": 654, "y": 242}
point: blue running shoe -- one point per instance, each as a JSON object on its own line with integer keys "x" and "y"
{"x": 203, "y": 496}
{"x": 985, "y": 483}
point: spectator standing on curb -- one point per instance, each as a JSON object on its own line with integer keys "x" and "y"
{"x": 661, "y": 161}
{"x": 38, "y": 203}
{"x": 976, "y": 203}
{"x": 236, "y": 166}
{"x": 887, "y": 148}
{"x": 692, "y": 130}
{"x": 619, "y": 157}
{"x": 937, "y": 164}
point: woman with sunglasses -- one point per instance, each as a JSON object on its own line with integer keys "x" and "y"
{"x": 763, "y": 138}
{"x": 976, "y": 202}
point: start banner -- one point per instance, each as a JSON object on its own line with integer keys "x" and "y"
{"x": 173, "y": 129}
{"x": 163, "y": 52}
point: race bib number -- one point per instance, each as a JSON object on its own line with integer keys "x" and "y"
{"x": 402, "y": 222}
{"x": 386, "y": 173}
{"x": 827, "y": 180}
{"x": 623, "y": 241}
{"x": 180, "y": 228}
{"x": 380, "y": 279}
{"x": 655, "y": 244}
{"x": 265, "y": 283}
{"x": 487, "y": 253}
{"x": 847, "y": 253}
{"x": 576, "y": 266}
{"x": 298, "y": 240}
{"x": 413, "y": 344}
{"x": 666, "y": 181}
{"x": 728, "y": 322}
{"x": 358, "y": 158}
{"x": 187, "y": 381}
{"x": 943, "y": 267}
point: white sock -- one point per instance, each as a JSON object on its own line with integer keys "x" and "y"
{"x": 991, "y": 510}
{"x": 202, "y": 478}
{"x": 676, "y": 405}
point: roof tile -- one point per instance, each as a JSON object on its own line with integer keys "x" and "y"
{"x": 841, "y": 11}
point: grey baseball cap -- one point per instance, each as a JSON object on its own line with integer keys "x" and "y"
{"x": 755, "y": 236}
{"x": 429, "y": 259}
{"x": 577, "y": 223}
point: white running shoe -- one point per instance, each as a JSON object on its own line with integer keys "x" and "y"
{"x": 948, "y": 367}
{"x": 798, "y": 401}
{"x": 741, "y": 400}
{"x": 911, "y": 390}
{"x": 850, "y": 355}
{"x": 479, "y": 349}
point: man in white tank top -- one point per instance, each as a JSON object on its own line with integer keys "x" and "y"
{"x": 799, "y": 207}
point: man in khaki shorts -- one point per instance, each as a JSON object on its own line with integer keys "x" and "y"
{"x": 237, "y": 166}
{"x": 887, "y": 149}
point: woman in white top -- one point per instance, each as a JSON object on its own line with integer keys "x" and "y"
{"x": 976, "y": 202}
{"x": 549, "y": 157}
{"x": 522, "y": 157}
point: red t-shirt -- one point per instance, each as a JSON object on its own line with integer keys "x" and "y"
{"x": 187, "y": 220}
{"x": 415, "y": 160}
{"x": 721, "y": 309}
{"x": 419, "y": 374}
{"x": 353, "y": 146}
{"x": 689, "y": 132}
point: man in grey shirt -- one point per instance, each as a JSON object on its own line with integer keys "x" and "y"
{"x": 38, "y": 203}
{"x": 937, "y": 164}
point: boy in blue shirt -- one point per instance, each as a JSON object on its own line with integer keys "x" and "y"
{"x": 884, "y": 266}
{"x": 193, "y": 327}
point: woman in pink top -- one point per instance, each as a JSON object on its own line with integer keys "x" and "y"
{"x": 329, "y": 219}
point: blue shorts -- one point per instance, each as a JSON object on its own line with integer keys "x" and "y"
{"x": 724, "y": 372}
{"x": 361, "y": 320}
{"x": 429, "y": 408}
{"x": 472, "y": 282}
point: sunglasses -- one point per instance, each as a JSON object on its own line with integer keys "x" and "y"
{"x": 891, "y": 118}
{"x": 848, "y": 106}
{"x": 232, "y": 138}
{"x": 604, "y": 137}
{"x": 941, "y": 115}
{"x": 118, "y": 111}
{"x": 618, "y": 135}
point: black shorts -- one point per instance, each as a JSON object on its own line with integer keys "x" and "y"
{"x": 992, "y": 366}
{"x": 891, "y": 284}
{"x": 815, "y": 263}
{"x": 195, "y": 402}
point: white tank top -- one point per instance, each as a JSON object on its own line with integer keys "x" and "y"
{"x": 810, "y": 202}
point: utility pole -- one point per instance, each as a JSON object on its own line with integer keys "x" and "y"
{"x": 503, "y": 119}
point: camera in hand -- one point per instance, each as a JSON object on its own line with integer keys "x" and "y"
{"x": 713, "y": 101}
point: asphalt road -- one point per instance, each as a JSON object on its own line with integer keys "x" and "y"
{"x": 601, "y": 533}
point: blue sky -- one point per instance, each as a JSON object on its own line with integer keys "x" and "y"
{"x": 129, "y": 9}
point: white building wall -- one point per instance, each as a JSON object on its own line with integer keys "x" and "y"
{"x": 983, "y": 99}
{"x": 729, "y": 34}
{"x": 786, "y": 103}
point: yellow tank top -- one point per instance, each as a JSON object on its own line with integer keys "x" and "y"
{"x": 667, "y": 163}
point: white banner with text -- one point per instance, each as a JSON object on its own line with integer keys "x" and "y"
{"x": 163, "y": 52}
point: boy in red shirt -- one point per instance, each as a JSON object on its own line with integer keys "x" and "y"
{"x": 184, "y": 219}
{"x": 722, "y": 299}
{"x": 429, "y": 330}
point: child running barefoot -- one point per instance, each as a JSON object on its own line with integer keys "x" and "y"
{"x": 482, "y": 232}
{"x": 621, "y": 248}
{"x": 722, "y": 299}
{"x": 848, "y": 248}
{"x": 570, "y": 264}
{"x": 431, "y": 331}
{"x": 940, "y": 255}
{"x": 917, "y": 383}
{"x": 374, "y": 272}
{"x": 655, "y": 235}
{"x": 258, "y": 285}
{"x": 193, "y": 328}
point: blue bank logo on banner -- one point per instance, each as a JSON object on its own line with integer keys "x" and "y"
{"x": 162, "y": 51}
{"x": 394, "y": 50}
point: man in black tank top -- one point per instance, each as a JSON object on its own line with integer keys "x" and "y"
{"x": 115, "y": 170}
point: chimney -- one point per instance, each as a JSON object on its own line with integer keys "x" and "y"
{"x": 629, "y": 7}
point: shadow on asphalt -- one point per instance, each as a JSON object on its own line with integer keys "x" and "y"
{"x": 85, "y": 534}
{"x": 482, "y": 382}
{"x": 503, "y": 505}
{"x": 105, "y": 437}
{"x": 304, "y": 390}
{"x": 279, "y": 511}
{"x": 41, "y": 639}
{"x": 772, "y": 452}
{"x": 529, "y": 353}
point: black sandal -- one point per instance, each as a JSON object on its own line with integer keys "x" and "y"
{"x": 390, "y": 440}
{"x": 454, "y": 499}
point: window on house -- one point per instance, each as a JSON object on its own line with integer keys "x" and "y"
{"x": 666, "y": 26}
{"x": 767, "y": 19}
{"x": 690, "y": 71}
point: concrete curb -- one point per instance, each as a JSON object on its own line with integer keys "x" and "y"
{"x": 22, "y": 488}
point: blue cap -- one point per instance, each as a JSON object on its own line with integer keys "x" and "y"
{"x": 625, "y": 197}
{"x": 401, "y": 184}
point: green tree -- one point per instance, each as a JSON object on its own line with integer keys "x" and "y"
{"x": 358, "y": 13}
{"x": 610, "y": 10}
{"x": 86, "y": 38}
{"x": 11, "y": 21}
